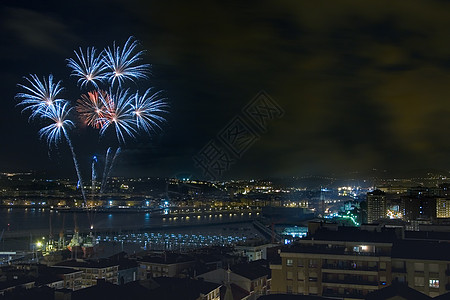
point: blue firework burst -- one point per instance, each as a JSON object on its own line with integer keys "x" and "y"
{"x": 124, "y": 63}
{"x": 118, "y": 113}
{"x": 40, "y": 95}
{"x": 89, "y": 68}
{"x": 148, "y": 109}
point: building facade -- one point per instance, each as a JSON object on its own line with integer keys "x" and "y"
{"x": 442, "y": 208}
{"x": 92, "y": 271}
{"x": 376, "y": 206}
{"x": 351, "y": 269}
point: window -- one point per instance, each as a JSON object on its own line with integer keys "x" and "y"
{"x": 289, "y": 289}
{"x": 434, "y": 283}
{"x": 313, "y": 263}
{"x": 300, "y": 263}
{"x": 419, "y": 281}
{"x": 433, "y": 268}
{"x": 300, "y": 276}
{"x": 382, "y": 266}
{"x": 289, "y": 262}
{"x": 418, "y": 267}
{"x": 289, "y": 275}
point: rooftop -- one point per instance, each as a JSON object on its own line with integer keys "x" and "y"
{"x": 166, "y": 258}
{"x": 106, "y": 290}
{"x": 354, "y": 234}
{"x": 402, "y": 291}
{"x": 182, "y": 288}
{"x": 252, "y": 270}
{"x": 414, "y": 249}
{"x": 94, "y": 264}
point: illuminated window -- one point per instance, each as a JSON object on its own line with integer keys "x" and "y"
{"x": 434, "y": 283}
{"x": 289, "y": 262}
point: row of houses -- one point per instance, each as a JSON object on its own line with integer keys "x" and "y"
{"x": 217, "y": 273}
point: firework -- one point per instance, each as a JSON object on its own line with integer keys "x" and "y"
{"x": 113, "y": 107}
{"x": 59, "y": 114}
{"x": 54, "y": 132}
{"x": 89, "y": 68}
{"x": 147, "y": 110}
{"x": 109, "y": 163}
{"x": 93, "y": 174}
{"x": 91, "y": 108}
{"x": 105, "y": 169}
{"x": 123, "y": 64}
{"x": 39, "y": 95}
{"x": 118, "y": 114}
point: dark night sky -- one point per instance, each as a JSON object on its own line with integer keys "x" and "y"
{"x": 364, "y": 84}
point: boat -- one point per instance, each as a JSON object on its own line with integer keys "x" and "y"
{"x": 89, "y": 245}
{"x": 75, "y": 243}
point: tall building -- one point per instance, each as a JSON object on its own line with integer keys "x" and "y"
{"x": 419, "y": 208}
{"x": 442, "y": 208}
{"x": 376, "y": 206}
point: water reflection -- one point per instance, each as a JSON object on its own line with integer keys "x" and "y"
{"x": 39, "y": 219}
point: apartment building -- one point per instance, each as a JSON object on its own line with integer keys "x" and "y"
{"x": 93, "y": 270}
{"x": 165, "y": 265}
{"x": 350, "y": 263}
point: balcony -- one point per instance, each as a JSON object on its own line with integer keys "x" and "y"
{"x": 352, "y": 281}
{"x": 349, "y": 267}
{"x": 346, "y": 296}
{"x": 336, "y": 250}
{"x": 398, "y": 270}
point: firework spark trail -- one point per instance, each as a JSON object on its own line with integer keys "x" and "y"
{"x": 54, "y": 132}
{"x": 75, "y": 161}
{"x": 147, "y": 109}
{"x": 123, "y": 64}
{"x": 109, "y": 163}
{"x": 89, "y": 68}
{"x": 40, "y": 95}
{"x": 93, "y": 175}
{"x": 118, "y": 150}
{"x": 107, "y": 160}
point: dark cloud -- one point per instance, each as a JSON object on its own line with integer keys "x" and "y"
{"x": 363, "y": 84}
{"x": 36, "y": 30}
